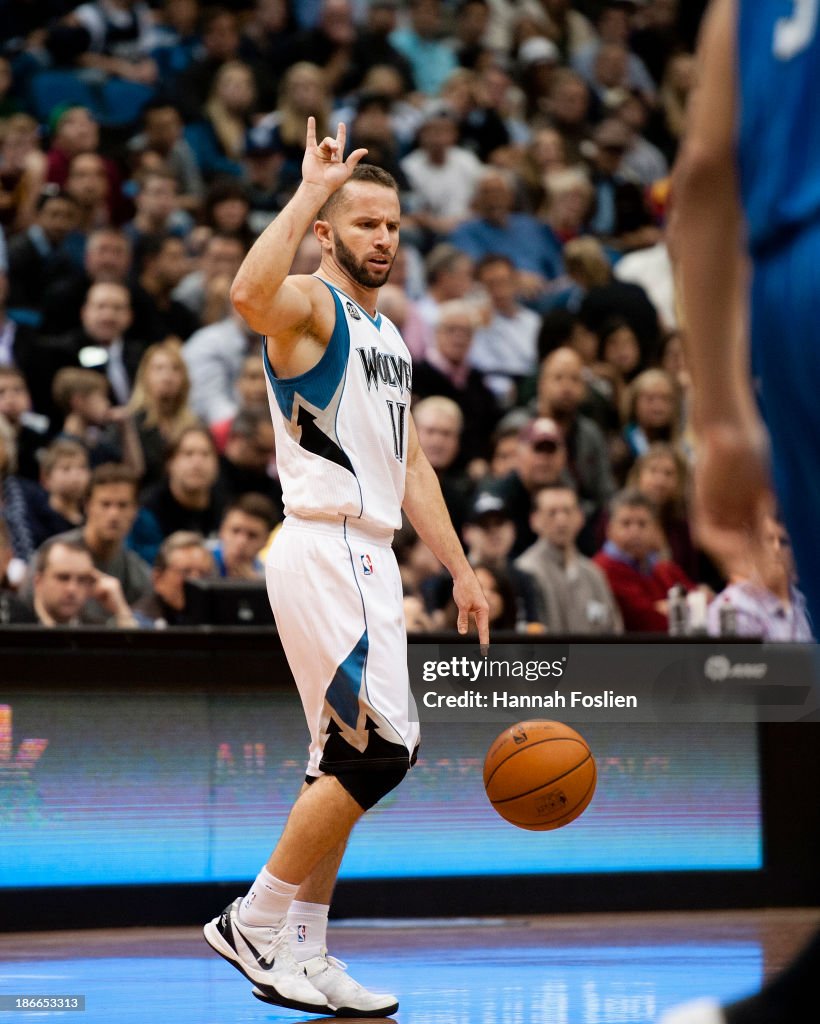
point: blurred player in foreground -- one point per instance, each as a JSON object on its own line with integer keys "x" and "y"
{"x": 747, "y": 243}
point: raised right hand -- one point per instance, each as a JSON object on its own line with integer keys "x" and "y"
{"x": 323, "y": 165}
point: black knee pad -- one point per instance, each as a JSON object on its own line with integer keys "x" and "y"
{"x": 368, "y": 786}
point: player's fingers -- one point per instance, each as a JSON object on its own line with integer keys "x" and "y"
{"x": 341, "y": 136}
{"x": 482, "y": 620}
{"x": 310, "y": 139}
{"x": 355, "y": 157}
{"x": 463, "y": 620}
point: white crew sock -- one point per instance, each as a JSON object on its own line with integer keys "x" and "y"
{"x": 267, "y": 901}
{"x": 308, "y": 922}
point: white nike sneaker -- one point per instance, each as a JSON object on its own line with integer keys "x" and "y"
{"x": 699, "y": 1011}
{"x": 345, "y": 997}
{"x": 264, "y": 956}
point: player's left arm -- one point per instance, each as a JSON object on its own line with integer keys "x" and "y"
{"x": 711, "y": 269}
{"x": 430, "y": 517}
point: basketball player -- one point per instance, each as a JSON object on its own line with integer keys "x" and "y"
{"x": 747, "y": 238}
{"x": 338, "y": 379}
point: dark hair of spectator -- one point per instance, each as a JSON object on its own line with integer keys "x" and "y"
{"x": 174, "y": 448}
{"x": 45, "y": 549}
{"x": 73, "y": 380}
{"x": 490, "y": 260}
{"x": 246, "y": 423}
{"x": 631, "y": 498}
{"x": 61, "y": 448}
{"x": 255, "y": 505}
{"x": 51, "y": 191}
{"x": 12, "y": 373}
{"x": 556, "y": 331}
{"x": 113, "y": 473}
{"x": 509, "y": 612}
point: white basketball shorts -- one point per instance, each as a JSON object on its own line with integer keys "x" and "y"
{"x": 336, "y": 595}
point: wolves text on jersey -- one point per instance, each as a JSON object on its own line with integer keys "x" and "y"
{"x": 391, "y": 370}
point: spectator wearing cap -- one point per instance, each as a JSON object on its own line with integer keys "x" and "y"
{"x": 446, "y": 371}
{"x": 496, "y": 229}
{"x": 537, "y": 60}
{"x": 431, "y": 58}
{"x": 489, "y": 536}
{"x": 541, "y": 460}
{"x": 621, "y": 215}
{"x": 574, "y": 592}
{"x": 567, "y": 28}
{"x": 561, "y": 390}
{"x": 441, "y": 173}
{"x": 638, "y": 577}
{"x": 505, "y": 348}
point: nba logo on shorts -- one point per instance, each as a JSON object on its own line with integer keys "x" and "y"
{"x": 367, "y": 565}
{"x": 301, "y": 933}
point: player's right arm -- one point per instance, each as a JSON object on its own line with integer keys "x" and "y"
{"x": 271, "y": 303}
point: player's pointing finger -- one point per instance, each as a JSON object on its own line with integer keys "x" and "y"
{"x": 310, "y": 140}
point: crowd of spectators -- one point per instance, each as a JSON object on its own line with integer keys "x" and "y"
{"x": 144, "y": 145}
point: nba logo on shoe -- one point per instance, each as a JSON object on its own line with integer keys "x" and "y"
{"x": 367, "y": 565}
{"x": 301, "y": 933}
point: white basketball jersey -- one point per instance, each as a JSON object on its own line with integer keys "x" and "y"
{"x": 341, "y": 427}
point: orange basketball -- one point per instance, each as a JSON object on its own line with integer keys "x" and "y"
{"x": 539, "y": 775}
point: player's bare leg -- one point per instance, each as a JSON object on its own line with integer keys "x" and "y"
{"x": 320, "y": 821}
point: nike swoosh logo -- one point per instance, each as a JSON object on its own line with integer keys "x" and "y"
{"x": 258, "y": 957}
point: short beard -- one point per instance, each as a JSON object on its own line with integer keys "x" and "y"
{"x": 358, "y": 271}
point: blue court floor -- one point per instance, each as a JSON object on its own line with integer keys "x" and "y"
{"x": 584, "y": 969}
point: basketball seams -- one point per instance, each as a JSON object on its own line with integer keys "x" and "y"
{"x": 543, "y": 785}
{"x": 529, "y": 746}
{"x": 534, "y": 826}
